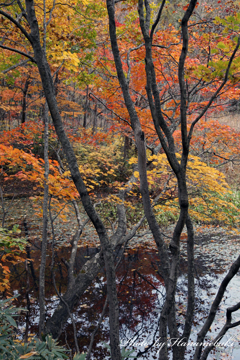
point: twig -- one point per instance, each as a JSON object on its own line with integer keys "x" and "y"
{"x": 228, "y": 325}
{"x": 22, "y": 63}
{"x": 18, "y": 51}
{"x": 128, "y": 60}
{"x": 113, "y": 112}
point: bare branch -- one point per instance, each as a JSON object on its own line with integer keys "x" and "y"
{"x": 18, "y": 25}
{"x": 22, "y": 63}
{"x": 113, "y": 112}
{"x": 228, "y": 325}
{"x": 166, "y": 47}
{"x": 183, "y": 90}
{"x": 201, "y": 336}
{"x": 157, "y": 19}
{"x": 51, "y": 11}
{"x": 8, "y": 4}
{"x": 128, "y": 60}
{"x": 22, "y": 9}
{"x": 19, "y": 52}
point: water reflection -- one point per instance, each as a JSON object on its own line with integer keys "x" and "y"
{"x": 141, "y": 295}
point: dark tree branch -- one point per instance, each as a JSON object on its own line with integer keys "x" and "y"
{"x": 157, "y": 19}
{"x": 228, "y": 325}
{"x": 201, "y": 336}
{"x": 113, "y": 112}
{"x": 165, "y": 47}
{"x": 18, "y": 25}
{"x": 22, "y": 63}
{"x": 128, "y": 60}
{"x": 161, "y": 127}
{"x": 19, "y": 52}
{"x": 22, "y": 9}
{"x": 183, "y": 91}
{"x": 7, "y": 4}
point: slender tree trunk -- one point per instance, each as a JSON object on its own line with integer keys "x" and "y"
{"x": 45, "y": 201}
{"x": 48, "y": 87}
{"x": 45, "y": 227}
{"x": 85, "y": 110}
{"x": 24, "y": 102}
{"x": 94, "y": 118}
{"x": 191, "y": 287}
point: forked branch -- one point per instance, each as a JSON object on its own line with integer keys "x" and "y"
{"x": 228, "y": 325}
{"x": 201, "y": 336}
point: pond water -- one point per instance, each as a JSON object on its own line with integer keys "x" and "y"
{"x": 141, "y": 295}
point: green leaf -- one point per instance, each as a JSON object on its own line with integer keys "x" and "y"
{"x": 79, "y": 356}
{"x": 11, "y": 320}
{"x": 221, "y": 45}
{"x": 235, "y": 39}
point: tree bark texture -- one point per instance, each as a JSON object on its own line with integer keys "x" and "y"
{"x": 45, "y": 226}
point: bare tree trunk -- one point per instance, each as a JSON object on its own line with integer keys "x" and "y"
{"x": 48, "y": 87}
{"x": 85, "y": 110}
{"x": 169, "y": 269}
{"x": 45, "y": 202}
{"x": 45, "y": 227}
{"x": 94, "y": 118}
{"x": 24, "y": 102}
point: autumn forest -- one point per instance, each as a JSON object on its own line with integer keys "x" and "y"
{"x": 119, "y": 179}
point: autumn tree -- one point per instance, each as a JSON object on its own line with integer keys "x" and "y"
{"x": 21, "y": 92}
{"x": 30, "y": 32}
{"x": 170, "y": 262}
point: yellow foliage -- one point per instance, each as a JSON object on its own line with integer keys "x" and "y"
{"x": 206, "y": 188}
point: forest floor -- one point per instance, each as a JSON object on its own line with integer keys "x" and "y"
{"x": 26, "y": 209}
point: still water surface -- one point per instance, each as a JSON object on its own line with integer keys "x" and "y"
{"x": 141, "y": 295}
